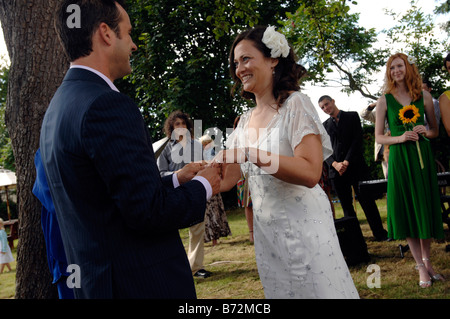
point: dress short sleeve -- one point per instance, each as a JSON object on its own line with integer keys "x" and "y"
{"x": 296, "y": 119}
{"x": 447, "y": 93}
{"x": 302, "y": 119}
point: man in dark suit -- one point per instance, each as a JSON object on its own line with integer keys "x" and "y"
{"x": 119, "y": 219}
{"x": 347, "y": 165}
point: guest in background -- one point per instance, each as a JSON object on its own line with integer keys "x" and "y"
{"x": 216, "y": 223}
{"x": 347, "y": 166}
{"x": 444, "y": 100}
{"x": 447, "y": 63}
{"x": 369, "y": 115}
{"x": 326, "y": 186}
{"x": 181, "y": 150}
{"x": 244, "y": 197}
{"x": 413, "y": 205}
{"x": 208, "y": 147}
{"x": 6, "y": 256}
{"x": 444, "y": 105}
{"x": 426, "y": 85}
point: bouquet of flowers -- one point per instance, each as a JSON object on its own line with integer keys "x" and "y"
{"x": 409, "y": 115}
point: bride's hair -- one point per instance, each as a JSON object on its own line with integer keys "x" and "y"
{"x": 288, "y": 72}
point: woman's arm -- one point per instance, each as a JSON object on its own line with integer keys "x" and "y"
{"x": 433, "y": 130}
{"x": 379, "y": 124}
{"x": 444, "y": 105}
{"x": 231, "y": 173}
{"x": 304, "y": 168}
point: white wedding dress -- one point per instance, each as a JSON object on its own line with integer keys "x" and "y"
{"x": 296, "y": 246}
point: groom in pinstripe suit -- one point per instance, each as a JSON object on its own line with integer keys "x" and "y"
{"x": 119, "y": 219}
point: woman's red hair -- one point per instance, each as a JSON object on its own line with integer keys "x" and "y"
{"x": 413, "y": 80}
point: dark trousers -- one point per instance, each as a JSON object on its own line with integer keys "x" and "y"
{"x": 342, "y": 185}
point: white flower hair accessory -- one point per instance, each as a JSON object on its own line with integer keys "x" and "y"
{"x": 276, "y": 42}
{"x": 411, "y": 59}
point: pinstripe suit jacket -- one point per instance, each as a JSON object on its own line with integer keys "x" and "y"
{"x": 119, "y": 219}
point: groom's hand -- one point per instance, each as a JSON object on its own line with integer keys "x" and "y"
{"x": 189, "y": 171}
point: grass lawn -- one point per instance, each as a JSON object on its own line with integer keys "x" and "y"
{"x": 235, "y": 274}
{"x": 8, "y": 278}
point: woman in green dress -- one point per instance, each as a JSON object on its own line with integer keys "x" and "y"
{"x": 413, "y": 200}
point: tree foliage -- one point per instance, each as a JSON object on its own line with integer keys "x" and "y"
{"x": 328, "y": 39}
{"x": 182, "y": 60}
{"x": 6, "y": 153}
{"x": 182, "y": 57}
{"x": 415, "y": 31}
{"x": 444, "y": 8}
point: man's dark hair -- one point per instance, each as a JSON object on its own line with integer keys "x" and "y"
{"x": 446, "y": 59}
{"x": 77, "y": 42}
{"x": 325, "y": 97}
{"x": 427, "y": 82}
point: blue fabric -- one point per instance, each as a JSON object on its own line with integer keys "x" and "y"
{"x": 56, "y": 255}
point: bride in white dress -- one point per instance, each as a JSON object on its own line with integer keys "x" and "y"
{"x": 281, "y": 145}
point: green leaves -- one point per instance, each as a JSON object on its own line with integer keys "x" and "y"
{"x": 416, "y": 32}
{"x": 183, "y": 49}
{"x": 182, "y": 56}
{"x": 328, "y": 38}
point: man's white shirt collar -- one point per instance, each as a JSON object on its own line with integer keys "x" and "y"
{"x": 104, "y": 77}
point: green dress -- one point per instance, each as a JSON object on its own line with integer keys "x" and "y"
{"x": 413, "y": 200}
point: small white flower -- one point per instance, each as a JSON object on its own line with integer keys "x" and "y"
{"x": 276, "y": 42}
{"x": 411, "y": 59}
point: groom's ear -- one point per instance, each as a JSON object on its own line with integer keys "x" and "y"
{"x": 104, "y": 34}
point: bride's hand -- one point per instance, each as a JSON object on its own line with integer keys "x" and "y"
{"x": 235, "y": 155}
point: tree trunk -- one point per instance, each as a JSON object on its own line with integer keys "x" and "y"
{"x": 37, "y": 67}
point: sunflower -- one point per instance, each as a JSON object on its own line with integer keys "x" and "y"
{"x": 409, "y": 114}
